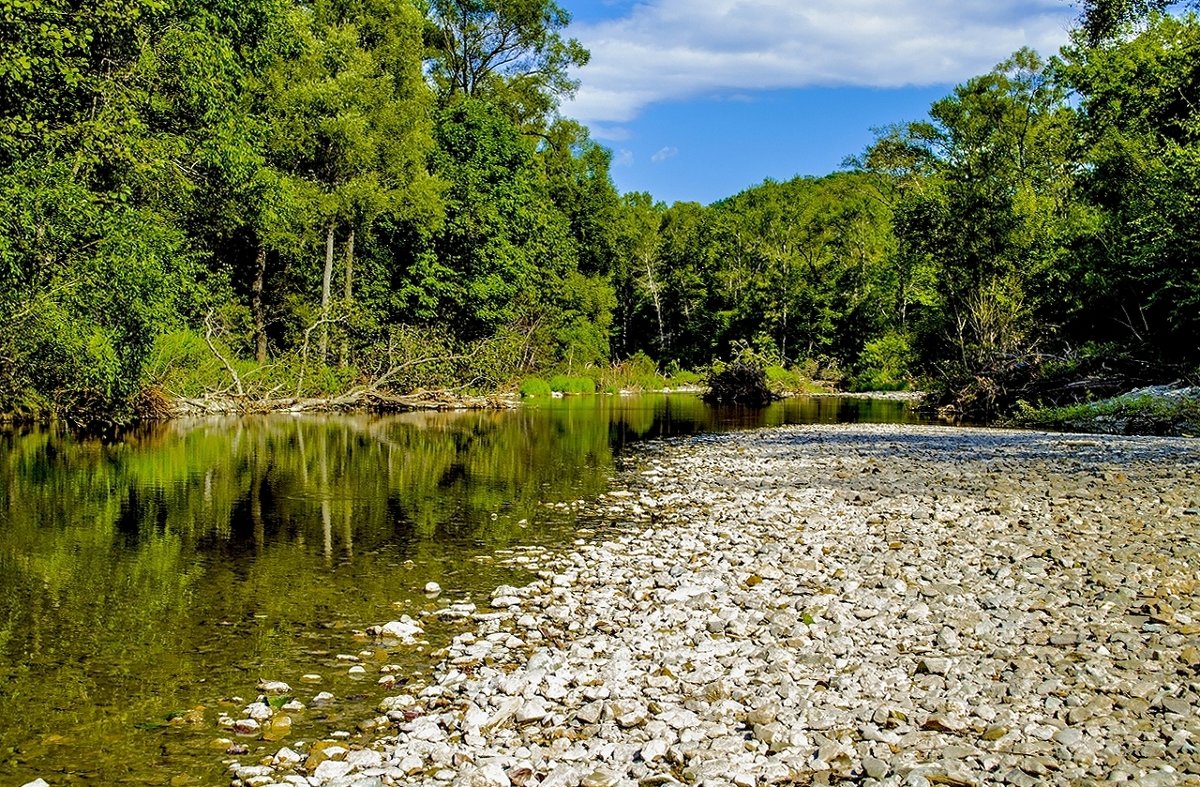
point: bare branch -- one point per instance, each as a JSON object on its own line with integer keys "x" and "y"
{"x": 208, "y": 334}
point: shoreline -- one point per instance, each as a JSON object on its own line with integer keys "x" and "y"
{"x": 160, "y": 407}
{"x": 886, "y": 604}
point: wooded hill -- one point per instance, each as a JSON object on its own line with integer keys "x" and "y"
{"x": 272, "y": 198}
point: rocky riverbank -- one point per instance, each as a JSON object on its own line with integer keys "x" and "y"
{"x": 873, "y": 604}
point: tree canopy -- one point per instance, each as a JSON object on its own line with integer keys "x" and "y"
{"x": 305, "y": 197}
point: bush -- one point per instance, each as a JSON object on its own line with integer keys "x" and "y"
{"x": 572, "y": 385}
{"x": 535, "y": 388}
{"x": 638, "y": 373}
{"x": 682, "y": 377}
{"x": 743, "y": 381}
{"x": 883, "y": 364}
{"x": 792, "y": 381}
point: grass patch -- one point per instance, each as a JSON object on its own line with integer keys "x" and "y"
{"x": 638, "y": 373}
{"x": 1130, "y": 414}
{"x": 535, "y": 388}
{"x": 572, "y": 386}
{"x": 684, "y": 378}
{"x": 792, "y": 381}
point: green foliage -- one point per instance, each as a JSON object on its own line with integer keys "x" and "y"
{"x": 565, "y": 384}
{"x": 684, "y": 378}
{"x": 637, "y": 373}
{"x": 535, "y": 387}
{"x": 1134, "y": 414}
{"x": 341, "y": 193}
{"x": 792, "y": 380}
{"x": 510, "y": 53}
{"x": 884, "y": 364}
{"x": 741, "y": 381}
{"x": 1140, "y": 94}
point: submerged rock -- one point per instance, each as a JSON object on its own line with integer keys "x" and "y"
{"x": 405, "y": 631}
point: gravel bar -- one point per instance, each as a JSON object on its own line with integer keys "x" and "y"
{"x": 832, "y": 604}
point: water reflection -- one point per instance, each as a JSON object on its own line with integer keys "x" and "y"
{"x": 172, "y": 568}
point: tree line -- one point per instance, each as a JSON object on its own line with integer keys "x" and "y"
{"x": 300, "y": 197}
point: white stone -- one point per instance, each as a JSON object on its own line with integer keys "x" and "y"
{"x": 405, "y": 631}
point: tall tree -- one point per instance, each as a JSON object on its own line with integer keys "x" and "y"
{"x": 1141, "y": 127}
{"x": 509, "y": 52}
{"x": 1102, "y": 20}
{"x": 353, "y": 122}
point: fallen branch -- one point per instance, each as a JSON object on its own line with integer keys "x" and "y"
{"x": 208, "y": 332}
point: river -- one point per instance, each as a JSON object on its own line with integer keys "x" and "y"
{"x": 148, "y": 581}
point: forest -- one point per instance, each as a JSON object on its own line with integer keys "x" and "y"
{"x": 301, "y": 198}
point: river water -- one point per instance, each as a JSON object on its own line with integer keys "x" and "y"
{"x": 147, "y": 583}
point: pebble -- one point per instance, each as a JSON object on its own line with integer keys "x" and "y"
{"x": 826, "y": 604}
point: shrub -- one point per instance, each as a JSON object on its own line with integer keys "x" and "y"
{"x": 638, "y": 373}
{"x": 535, "y": 387}
{"x": 684, "y": 377}
{"x": 743, "y": 381}
{"x": 572, "y": 385}
{"x": 792, "y": 381}
{"x": 883, "y": 364}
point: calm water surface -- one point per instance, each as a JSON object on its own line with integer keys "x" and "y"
{"x": 146, "y": 583}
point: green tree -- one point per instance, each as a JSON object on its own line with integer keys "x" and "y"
{"x": 352, "y": 122}
{"x": 1140, "y": 124}
{"x": 510, "y": 53}
{"x": 639, "y": 278}
{"x": 990, "y": 202}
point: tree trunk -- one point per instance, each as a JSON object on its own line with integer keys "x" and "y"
{"x": 783, "y": 338}
{"x": 662, "y": 337}
{"x": 326, "y": 287}
{"x": 348, "y": 298}
{"x": 256, "y": 306}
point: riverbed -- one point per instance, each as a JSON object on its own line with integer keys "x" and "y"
{"x": 150, "y": 580}
{"x": 874, "y": 604}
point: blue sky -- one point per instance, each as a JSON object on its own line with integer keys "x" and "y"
{"x": 700, "y": 99}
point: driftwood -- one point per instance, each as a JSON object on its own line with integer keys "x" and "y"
{"x": 365, "y": 401}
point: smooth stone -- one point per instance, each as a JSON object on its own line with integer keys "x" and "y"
{"x": 405, "y": 630}
{"x": 286, "y": 758}
{"x": 764, "y": 714}
{"x": 591, "y": 713}
{"x": 332, "y": 769}
{"x": 277, "y": 728}
{"x": 934, "y": 666}
{"x": 875, "y": 768}
{"x": 531, "y": 711}
{"x": 599, "y": 778}
{"x": 655, "y": 750}
{"x": 246, "y": 727}
{"x": 1068, "y": 736}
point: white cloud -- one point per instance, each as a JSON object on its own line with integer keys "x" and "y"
{"x": 664, "y": 154}
{"x": 677, "y": 49}
{"x": 624, "y": 158}
{"x": 609, "y": 133}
